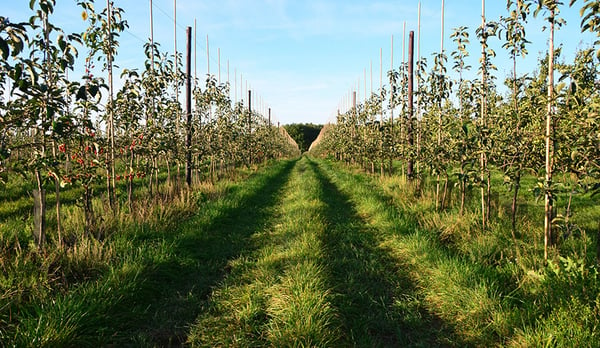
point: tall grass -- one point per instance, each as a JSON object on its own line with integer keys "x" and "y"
{"x": 143, "y": 281}
{"x": 489, "y": 289}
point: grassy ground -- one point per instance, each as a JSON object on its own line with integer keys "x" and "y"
{"x": 145, "y": 284}
{"x": 303, "y": 253}
{"x": 317, "y": 277}
{"x": 487, "y": 289}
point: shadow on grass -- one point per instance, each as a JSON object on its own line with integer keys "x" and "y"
{"x": 377, "y": 301}
{"x": 172, "y": 292}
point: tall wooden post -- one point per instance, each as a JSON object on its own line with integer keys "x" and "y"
{"x": 250, "y": 126}
{"x": 110, "y": 109}
{"x": 548, "y": 203}
{"x": 195, "y": 53}
{"x": 409, "y": 116}
{"x": 482, "y": 158}
{"x": 418, "y": 74}
{"x": 188, "y": 108}
{"x": 151, "y": 36}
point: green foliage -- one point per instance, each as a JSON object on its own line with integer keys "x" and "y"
{"x": 303, "y": 134}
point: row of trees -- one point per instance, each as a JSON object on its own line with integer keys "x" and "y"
{"x": 303, "y": 134}
{"x": 65, "y": 132}
{"x": 461, "y": 127}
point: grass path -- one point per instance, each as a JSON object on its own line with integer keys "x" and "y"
{"x": 317, "y": 277}
{"x": 154, "y": 282}
{"x": 299, "y": 254}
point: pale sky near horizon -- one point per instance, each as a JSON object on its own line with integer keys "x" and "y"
{"x": 302, "y": 58}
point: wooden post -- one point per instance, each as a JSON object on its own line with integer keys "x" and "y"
{"x": 235, "y": 85}
{"x": 439, "y": 133}
{"x": 381, "y": 134}
{"x": 442, "y": 36}
{"x": 548, "y": 203}
{"x": 228, "y": 81}
{"x": 207, "y": 57}
{"x": 151, "y": 37}
{"x": 381, "y": 81}
{"x": 371, "y": 79}
{"x": 195, "y": 53}
{"x": 409, "y": 127}
{"x": 482, "y": 158}
{"x": 418, "y": 118}
{"x": 110, "y": 109}
{"x": 365, "y": 85}
{"x": 392, "y": 87}
{"x": 188, "y": 109}
{"x": 250, "y": 126}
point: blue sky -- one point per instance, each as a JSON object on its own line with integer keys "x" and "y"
{"x": 302, "y": 58}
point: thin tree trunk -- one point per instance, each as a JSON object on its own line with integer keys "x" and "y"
{"x": 568, "y": 214}
{"x": 130, "y": 184}
{"x": 463, "y": 189}
{"x": 548, "y": 204}
{"x": 169, "y": 184}
{"x": 514, "y": 206}
{"x": 88, "y": 212}
{"x": 489, "y": 194}
{"x": 39, "y": 212}
{"x": 58, "y": 219}
{"x": 444, "y": 192}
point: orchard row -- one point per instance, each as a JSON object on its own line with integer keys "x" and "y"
{"x": 61, "y": 132}
{"x": 457, "y": 130}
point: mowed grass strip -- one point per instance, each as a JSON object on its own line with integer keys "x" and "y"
{"x": 379, "y": 304}
{"x": 278, "y": 295}
{"x": 153, "y": 282}
{"x": 467, "y": 301}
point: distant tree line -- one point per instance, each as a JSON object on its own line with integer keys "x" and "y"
{"x": 303, "y": 133}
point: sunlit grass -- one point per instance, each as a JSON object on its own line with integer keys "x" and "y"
{"x": 144, "y": 281}
{"x": 489, "y": 289}
{"x": 277, "y": 295}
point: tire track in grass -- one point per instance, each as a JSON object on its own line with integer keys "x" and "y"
{"x": 467, "y": 299}
{"x": 378, "y": 302}
{"x": 157, "y": 287}
{"x": 203, "y": 250}
{"x": 278, "y": 295}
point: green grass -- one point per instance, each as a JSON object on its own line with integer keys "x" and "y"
{"x": 473, "y": 279}
{"x": 303, "y": 253}
{"x": 320, "y": 277}
{"x": 277, "y": 294}
{"x": 143, "y": 285}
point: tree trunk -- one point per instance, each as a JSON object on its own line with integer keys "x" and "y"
{"x": 489, "y": 195}
{"x": 169, "y": 183}
{"x": 130, "y": 183}
{"x": 88, "y": 211}
{"x": 39, "y": 212}
{"x": 58, "y": 219}
{"x": 513, "y": 210}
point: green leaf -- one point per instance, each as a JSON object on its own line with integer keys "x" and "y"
{"x": 93, "y": 90}
{"x": 5, "y": 49}
{"x": 81, "y": 93}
